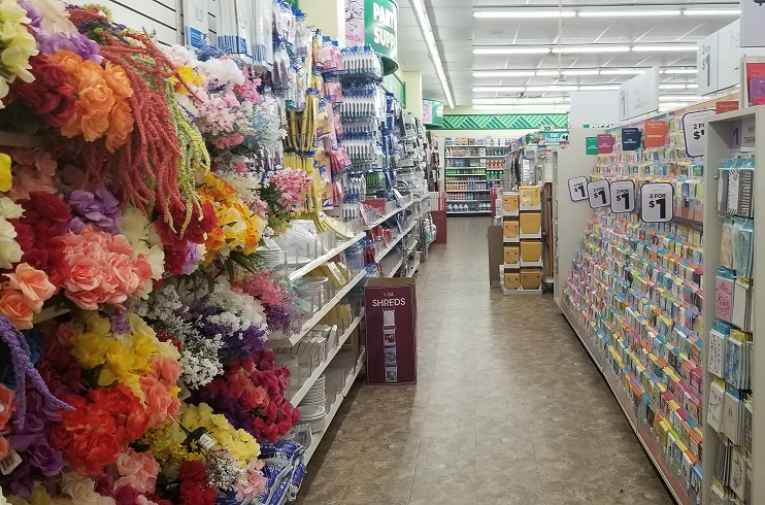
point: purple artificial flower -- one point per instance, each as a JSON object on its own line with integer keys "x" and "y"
{"x": 120, "y": 323}
{"x": 35, "y": 19}
{"x": 192, "y": 259}
{"x": 24, "y": 369}
{"x": 99, "y": 208}
{"x": 75, "y": 42}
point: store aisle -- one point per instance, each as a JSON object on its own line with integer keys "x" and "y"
{"x": 508, "y": 410}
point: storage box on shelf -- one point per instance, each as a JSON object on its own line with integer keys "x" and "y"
{"x": 734, "y": 248}
{"x": 522, "y": 232}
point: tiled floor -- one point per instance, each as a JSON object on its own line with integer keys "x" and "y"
{"x": 508, "y": 410}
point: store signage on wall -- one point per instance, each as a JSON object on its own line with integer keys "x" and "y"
{"x": 599, "y": 194}
{"x": 639, "y": 95}
{"x": 196, "y": 23}
{"x": 622, "y": 197}
{"x": 577, "y": 188}
{"x": 381, "y": 29}
{"x": 631, "y": 139}
{"x": 752, "y": 21}
{"x": 694, "y": 131}
{"x": 592, "y": 145}
{"x": 655, "y": 133}
{"x": 606, "y": 143}
{"x": 656, "y": 202}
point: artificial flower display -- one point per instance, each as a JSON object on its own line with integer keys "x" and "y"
{"x": 134, "y": 311}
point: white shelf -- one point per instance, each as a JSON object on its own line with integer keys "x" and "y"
{"x": 467, "y": 212}
{"x": 527, "y": 236}
{"x": 468, "y": 191}
{"x": 392, "y": 213}
{"x": 396, "y": 268}
{"x": 300, "y": 272}
{"x": 514, "y": 240}
{"x": 530, "y": 209}
{"x": 321, "y": 314}
{"x": 379, "y": 257}
{"x": 300, "y": 394}
{"x": 466, "y": 157}
{"x": 465, "y": 175}
{"x": 317, "y": 438}
{"x": 531, "y": 264}
{"x": 466, "y": 168}
{"x": 515, "y": 266}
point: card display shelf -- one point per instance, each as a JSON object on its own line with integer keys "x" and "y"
{"x": 308, "y": 384}
{"x": 642, "y": 432}
{"x": 317, "y": 438}
{"x": 721, "y": 130}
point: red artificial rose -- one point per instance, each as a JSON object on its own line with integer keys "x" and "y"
{"x": 51, "y": 95}
{"x": 46, "y": 216}
{"x": 126, "y": 495}
{"x": 195, "y": 489}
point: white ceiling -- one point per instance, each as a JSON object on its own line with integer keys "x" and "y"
{"x": 458, "y": 32}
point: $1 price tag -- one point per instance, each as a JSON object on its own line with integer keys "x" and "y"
{"x": 656, "y": 202}
{"x": 599, "y": 194}
{"x": 577, "y": 188}
{"x": 622, "y": 197}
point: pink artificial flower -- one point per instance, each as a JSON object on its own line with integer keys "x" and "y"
{"x": 167, "y": 370}
{"x": 138, "y": 470}
{"x": 19, "y": 310}
{"x": 161, "y": 404}
{"x": 32, "y": 283}
{"x": 253, "y": 482}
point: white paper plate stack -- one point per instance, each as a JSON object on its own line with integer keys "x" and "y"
{"x": 313, "y": 408}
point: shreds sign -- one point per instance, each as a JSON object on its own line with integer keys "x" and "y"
{"x": 381, "y": 24}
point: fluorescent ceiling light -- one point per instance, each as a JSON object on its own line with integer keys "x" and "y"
{"x": 522, "y": 100}
{"x": 576, "y": 72}
{"x": 548, "y": 73}
{"x": 665, "y": 48}
{"x": 712, "y": 12}
{"x": 680, "y": 98}
{"x": 511, "y": 50}
{"x": 544, "y": 89}
{"x": 523, "y": 13}
{"x": 597, "y": 87}
{"x": 598, "y": 48}
{"x": 680, "y": 71}
{"x": 670, "y": 106}
{"x": 678, "y": 85}
{"x": 621, "y": 71}
{"x": 503, "y": 73}
{"x": 430, "y": 41}
{"x": 629, "y": 13}
{"x": 499, "y": 89}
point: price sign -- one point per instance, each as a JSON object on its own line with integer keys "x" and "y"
{"x": 599, "y": 194}
{"x": 694, "y": 131}
{"x": 656, "y": 202}
{"x": 577, "y": 188}
{"x": 622, "y": 197}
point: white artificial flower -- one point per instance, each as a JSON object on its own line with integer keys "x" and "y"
{"x": 9, "y": 209}
{"x": 221, "y": 72}
{"x": 144, "y": 239}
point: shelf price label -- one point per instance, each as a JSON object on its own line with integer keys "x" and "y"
{"x": 622, "y": 197}
{"x": 577, "y": 188}
{"x": 694, "y": 131}
{"x": 599, "y": 194}
{"x": 656, "y": 202}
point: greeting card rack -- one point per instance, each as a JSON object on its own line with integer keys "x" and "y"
{"x": 734, "y": 227}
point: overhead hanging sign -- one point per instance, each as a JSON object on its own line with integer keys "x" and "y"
{"x": 752, "y": 21}
{"x": 599, "y": 194}
{"x": 655, "y": 133}
{"x": 631, "y": 139}
{"x": 656, "y": 202}
{"x": 694, "y": 131}
{"x": 591, "y": 145}
{"x": 639, "y": 95}
{"x": 606, "y": 143}
{"x": 432, "y": 113}
{"x": 577, "y": 188}
{"x": 196, "y": 23}
{"x": 381, "y": 31}
{"x": 622, "y": 197}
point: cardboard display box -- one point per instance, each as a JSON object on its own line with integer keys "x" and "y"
{"x": 531, "y": 250}
{"x": 391, "y": 330}
{"x": 512, "y": 279}
{"x": 531, "y": 197}
{"x": 512, "y": 254}
{"x": 531, "y": 222}
{"x": 531, "y": 278}
{"x": 510, "y": 202}
{"x": 511, "y": 229}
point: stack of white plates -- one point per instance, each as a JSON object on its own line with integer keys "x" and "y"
{"x": 272, "y": 254}
{"x": 313, "y": 408}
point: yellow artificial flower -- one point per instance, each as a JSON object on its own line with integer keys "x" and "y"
{"x": 189, "y": 77}
{"x": 6, "y": 179}
{"x": 242, "y": 446}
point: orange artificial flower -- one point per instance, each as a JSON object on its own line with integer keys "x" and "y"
{"x": 32, "y": 283}
{"x": 17, "y": 308}
{"x": 95, "y": 105}
{"x": 68, "y": 60}
{"x": 117, "y": 79}
{"x": 121, "y": 123}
